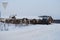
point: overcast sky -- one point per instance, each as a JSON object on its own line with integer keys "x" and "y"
{"x": 31, "y": 8}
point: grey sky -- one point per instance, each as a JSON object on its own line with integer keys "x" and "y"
{"x": 32, "y": 8}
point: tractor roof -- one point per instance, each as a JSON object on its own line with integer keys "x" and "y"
{"x": 44, "y": 16}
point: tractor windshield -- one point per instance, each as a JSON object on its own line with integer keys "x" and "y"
{"x": 44, "y": 17}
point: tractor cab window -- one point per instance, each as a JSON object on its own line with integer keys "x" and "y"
{"x": 45, "y": 17}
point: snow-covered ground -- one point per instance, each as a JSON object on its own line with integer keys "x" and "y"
{"x": 31, "y": 32}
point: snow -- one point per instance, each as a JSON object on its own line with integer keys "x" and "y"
{"x": 31, "y": 32}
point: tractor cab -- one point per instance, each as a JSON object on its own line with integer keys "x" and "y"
{"x": 46, "y": 19}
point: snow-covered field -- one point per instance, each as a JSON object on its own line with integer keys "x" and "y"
{"x": 31, "y": 32}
